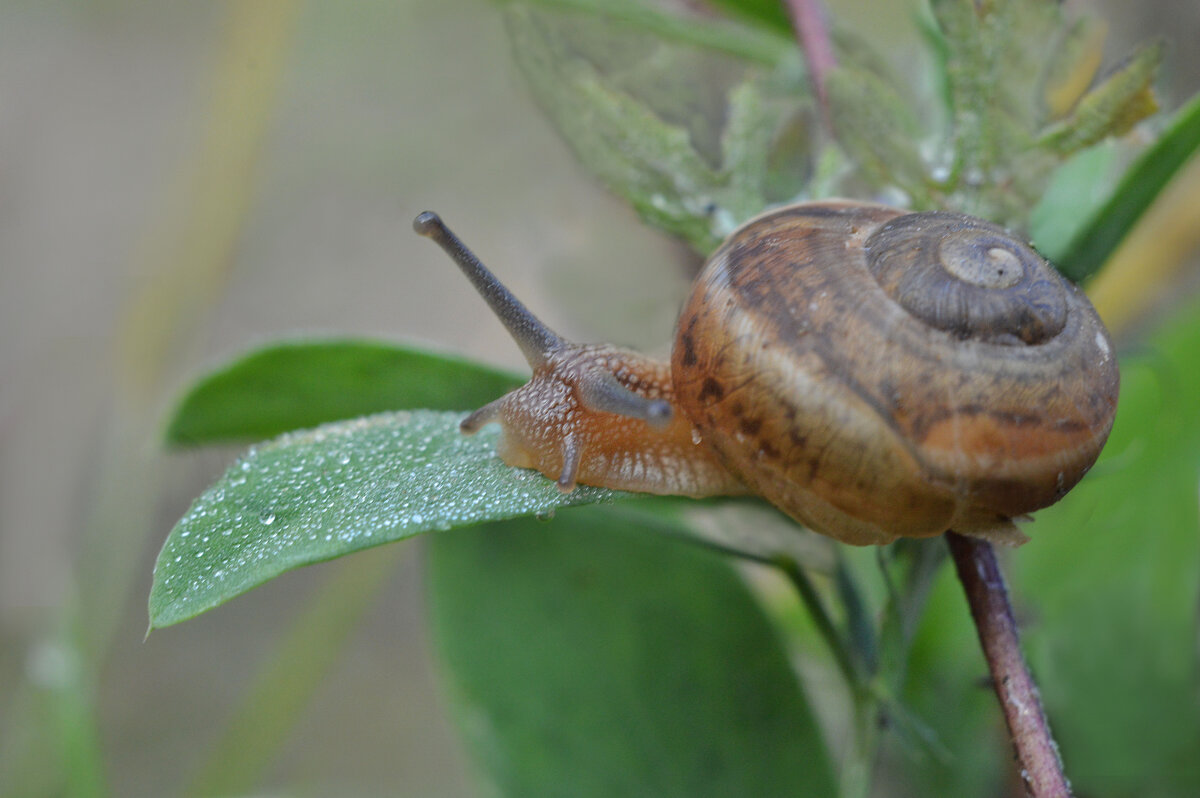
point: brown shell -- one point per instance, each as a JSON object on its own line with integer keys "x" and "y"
{"x": 803, "y": 359}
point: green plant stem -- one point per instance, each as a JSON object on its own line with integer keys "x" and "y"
{"x": 858, "y": 769}
{"x": 859, "y": 765}
{"x": 1037, "y": 755}
{"x": 824, "y": 622}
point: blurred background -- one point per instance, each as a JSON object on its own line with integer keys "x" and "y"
{"x": 181, "y": 181}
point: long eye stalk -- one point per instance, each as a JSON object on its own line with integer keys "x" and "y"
{"x": 597, "y": 388}
{"x": 535, "y": 338}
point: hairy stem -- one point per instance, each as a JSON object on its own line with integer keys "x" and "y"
{"x": 1037, "y": 755}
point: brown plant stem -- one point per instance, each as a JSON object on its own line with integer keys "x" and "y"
{"x": 1037, "y": 755}
{"x": 811, "y": 25}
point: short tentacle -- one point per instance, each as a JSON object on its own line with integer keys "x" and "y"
{"x": 600, "y": 391}
{"x": 572, "y": 456}
{"x": 482, "y": 417}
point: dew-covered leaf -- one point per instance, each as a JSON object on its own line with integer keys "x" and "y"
{"x": 1000, "y": 88}
{"x": 296, "y": 384}
{"x": 314, "y": 495}
{"x": 590, "y": 657}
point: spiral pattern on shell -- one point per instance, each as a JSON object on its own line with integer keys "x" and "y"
{"x": 877, "y": 373}
{"x": 968, "y": 277}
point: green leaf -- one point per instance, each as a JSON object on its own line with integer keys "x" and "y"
{"x": 297, "y": 384}
{"x": 973, "y": 39}
{"x": 1136, "y": 191}
{"x": 1076, "y": 191}
{"x": 405, "y": 473}
{"x": 1112, "y": 108}
{"x": 314, "y": 495}
{"x": 1071, "y": 65}
{"x": 646, "y": 161}
{"x": 876, "y": 127}
{"x": 993, "y": 66}
{"x": 1114, "y": 574}
{"x": 765, "y": 155}
{"x": 596, "y": 660}
{"x": 749, "y": 43}
{"x": 1106, "y": 595}
{"x": 770, "y": 13}
{"x": 668, "y": 128}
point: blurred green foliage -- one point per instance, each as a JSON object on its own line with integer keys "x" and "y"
{"x": 243, "y": 401}
{"x": 586, "y": 654}
{"x": 604, "y": 661}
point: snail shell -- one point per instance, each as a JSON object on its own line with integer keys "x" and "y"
{"x": 871, "y": 372}
{"x": 879, "y": 374}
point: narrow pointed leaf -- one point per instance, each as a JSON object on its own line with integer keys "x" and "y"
{"x": 313, "y": 495}
{"x": 770, "y": 13}
{"x": 746, "y": 42}
{"x": 1136, "y": 191}
{"x": 592, "y": 658}
{"x": 297, "y": 384}
{"x": 1072, "y": 65}
{"x": 1110, "y": 109}
{"x": 967, "y": 67}
{"x": 1074, "y": 194}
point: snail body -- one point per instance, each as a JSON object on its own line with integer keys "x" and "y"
{"x": 871, "y": 372}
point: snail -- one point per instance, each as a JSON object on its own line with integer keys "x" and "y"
{"x": 872, "y": 372}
